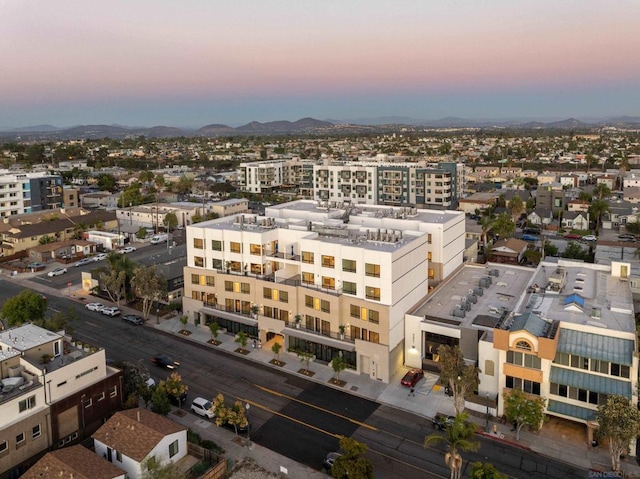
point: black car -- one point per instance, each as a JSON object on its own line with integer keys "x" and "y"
{"x": 178, "y": 401}
{"x": 441, "y": 422}
{"x": 133, "y": 319}
{"x": 164, "y": 361}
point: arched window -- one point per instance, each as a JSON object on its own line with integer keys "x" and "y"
{"x": 523, "y": 345}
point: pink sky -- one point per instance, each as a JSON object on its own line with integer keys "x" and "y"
{"x": 72, "y": 53}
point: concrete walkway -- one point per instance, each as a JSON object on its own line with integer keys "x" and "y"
{"x": 560, "y": 440}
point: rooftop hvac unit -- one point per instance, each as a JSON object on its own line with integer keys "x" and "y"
{"x": 494, "y": 272}
{"x": 459, "y": 313}
{"x": 478, "y": 291}
{"x": 466, "y": 305}
{"x": 489, "y": 279}
{"x": 472, "y": 298}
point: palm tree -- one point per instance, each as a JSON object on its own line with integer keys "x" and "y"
{"x": 602, "y": 191}
{"x": 585, "y": 196}
{"x": 597, "y": 209}
{"x": 516, "y": 205}
{"x": 486, "y": 222}
{"x": 458, "y": 436}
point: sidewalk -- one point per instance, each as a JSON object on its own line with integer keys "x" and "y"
{"x": 559, "y": 440}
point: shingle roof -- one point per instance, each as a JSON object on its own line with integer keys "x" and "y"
{"x": 75, "y": 462}
{"x": 135, "y": 432}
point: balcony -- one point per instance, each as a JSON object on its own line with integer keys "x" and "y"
{"x": 320, "y": 334}
{"x": 296, "y": 281}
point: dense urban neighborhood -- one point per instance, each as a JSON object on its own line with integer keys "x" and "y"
{"x": 466, "y": 282}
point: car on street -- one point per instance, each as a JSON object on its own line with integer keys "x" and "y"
{"x": 111, "y": 311}
{"x": 133, "y": 319}
{"x": 56, "y": 272}
{"x": 528, "y": 237}
{"x": 202, "y": 407}
{"x": 412, "y": 377}
{"x": 441, "y": 422}
{"x": 329, "y": 459}
{"x": 572, "y": 236}
{"x": 99, "y": 257}
{"x": 95, "y": 307}
{"x": 178, "y": 400}
{"x": 36, "y": 265}
{"x": 127, "y": 249}
{"x": 83, "y": 261}
{"x": 164, "y": 361}
{"x": 590, "y": 238}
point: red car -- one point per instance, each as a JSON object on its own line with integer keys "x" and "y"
{"x": 412, "y": 377}
{"x": 572, "y": 236}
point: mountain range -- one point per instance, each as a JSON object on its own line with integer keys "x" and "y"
{"x": 308, "y": 126}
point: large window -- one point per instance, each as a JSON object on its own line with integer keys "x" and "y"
{"x": 372, "y": 293}
{"x": 235, "y": 247}
{"x": 35, "y": 431}
{"x": 328, "y": 282}
{"x": 4, "y": 446}
{"x": 308, "y": 301}
{"x": 374, "y": 316}
{"x": 307, "y": 257}
{"x": 198, "y": 261}
{"x": 349, "y": 288}
{"x": 372, "y": 270}
{"x": 28, "y": 403}
{"x": 355, "y": 311}
{"x": 307, "y": 278}
{"x": 523, "y": 359}
{"x": 348, "y": 266}
{"x": 525, "y": 385}
{"x": 255, "y": 249}
{"x": 328, "y": 261}
{"x": 216, "y": 245}
{"x": 198, "y": 243}
{"x": 195, "y": 279}
{"x": 325, "y": 306}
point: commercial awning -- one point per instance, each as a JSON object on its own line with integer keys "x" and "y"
{"x": 571, "y": 410}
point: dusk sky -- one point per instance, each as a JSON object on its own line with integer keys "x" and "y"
{"x": 196, "y": 62}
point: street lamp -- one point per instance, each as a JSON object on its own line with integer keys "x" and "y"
{"x": 486, "y": 423}
{"x": 157, "y": 314}
{"x": 249, "y": 445}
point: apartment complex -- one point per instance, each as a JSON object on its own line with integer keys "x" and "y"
{"x": 53, "y": 394}
{"x": 565, "y": 332}
{"x": 422, "y": 184}
{"x": 329, "y": 281}
{"x": 29, "y": 192}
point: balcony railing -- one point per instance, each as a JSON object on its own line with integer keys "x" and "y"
{"x": 330, "y": 334}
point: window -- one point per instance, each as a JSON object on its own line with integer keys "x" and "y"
{"x": 429, "y": 238}
{"x": 429, "y": 256}
{"x": 255, "y": 249}
{"x": 328, "y": 261}
{"x": 173, "y": 448}
{"x": 307, "y": 257}
{"x": 235, "y": 247}
{"x": 217, "y": 263}
{"x": 374, "y": 316}
{"x": 4, "y": 446}
{"x": 325, "y": 306}
{"x": 328, "y": 282}
{"x": 195, "y": 279}
{"x": 355, "y": 311}
{"x": 87, "y": 403}
{"x": 374, "y": 337}
{"x": 372, "y": 270}
{"x": 35, "y": 431}
{"x": 113, "y": 391}
{"x": 348, "y": 287}
{"x": 28, "y": 403}
{"x": 489, "y": 367}
{"x": 308, "y": 301}
{"x": 101, "y": 396}
{"x": 372, "y": 293}
{"x": 245, "y": 288}
{"x": 562, "y": 358}
{"x": 198, "y": 243}
{"x": 523, "y": 345}
{"x": 284, "y": 296}
{"x": 198, "y": 261}
{"x": 118, "y": 456}
{"x": 348, "y": 265}
{"x": 228, "y": 286}
{"x": 210, "y": 281}
{"x": 216, "y": 245}
{"x": 20, "y": 438}
{"x": 266, "y": 293}
{"x": 307, "y": 278}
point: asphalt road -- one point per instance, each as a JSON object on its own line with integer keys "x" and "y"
{"x": 298, "y": 418}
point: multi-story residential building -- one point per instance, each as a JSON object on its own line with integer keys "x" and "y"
{"x": 330, "y": 281}
{"x": 53, "y": 394}
{"x": 551, "y": 197}
{"x": 29, "y": 192}
{"x": 565, "y": 332}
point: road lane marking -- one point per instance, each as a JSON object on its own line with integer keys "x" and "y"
{"x": 54, "y": 310}
{"x": 328, "y": 411}
{"x": 93, "y": 324}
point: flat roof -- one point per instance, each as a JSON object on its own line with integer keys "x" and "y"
{"x": 501, "y": 295}
{"x": 26, "y": 337}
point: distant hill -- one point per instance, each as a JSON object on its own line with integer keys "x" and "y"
{"x": 311, "y": 126}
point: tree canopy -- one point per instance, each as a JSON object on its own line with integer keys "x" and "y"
{"x": 149, "y": 285}
{"x": 459, "y": 436}
{"x": 522, "y": 410}
{"x": 352, "y": 462}
{"x": 619, "y": 422}
{"x": 461, "y": 378}
{"x": 25, "y": 306}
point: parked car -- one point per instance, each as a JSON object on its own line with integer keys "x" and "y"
{"x": 83, "y": 261}
{"x": 164, "y": 361}
{"x": 202, "y": 407}
{"x": 528, "y": 237}
{"x": 56, "y": 272}
{"x": 99, "y": 257}
{"x": 94, "y": 306}
{"x": 133, "y": 319}
{"x": 111, "y": 311}
{"x": 127, "y": 249}
{"x": 412, "y": 377}
{"x": 36, "y": 265}
{"x": 441, "y": 422}
{"x": 178, "y": 401}
{"x": 572, "y": 236}
{"x": 329, "y": 460}
{"x": 590, "y": 238}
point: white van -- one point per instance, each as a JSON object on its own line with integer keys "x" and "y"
{"x": 157, "y": 239}
{"x": 202, "y": 407}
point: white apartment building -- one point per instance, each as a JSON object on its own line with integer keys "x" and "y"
{"x": 29, "y": 192}
{"x": 348, "y": 275}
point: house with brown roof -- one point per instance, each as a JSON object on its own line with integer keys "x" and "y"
{"x": 75, "y": 462}
{"x": 509, "y": 250}
{"x": 131, "y": 437}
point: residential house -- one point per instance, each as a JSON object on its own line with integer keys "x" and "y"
{"x": 578, "y": 205}
{"x": 510, "y": 250}
{"x": 576, "y": 220}
{"x": 133, "y": 436}
{"x": 540, "y": 217}
{"x": 478, "y": 201}
{"x": 632, "y": 194}
{"x": 75, "y": 462}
